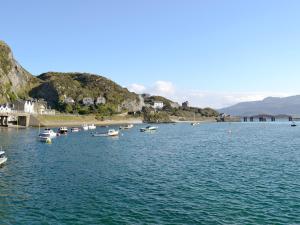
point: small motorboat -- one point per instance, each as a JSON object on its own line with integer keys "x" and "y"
{"x": 92, "y": 127}
{"x": 3, "y": 157}
{"x": 195, "y": 123}
{"x": 293, "y": 124}
{"x": 75, "y": 129}
{"x": 109, "y": 133}
{"x": 148, "y": 128}
{"x": 127, "y": 127}
{"x": 85, "y": 127}
{"x": 45, "y": 138}
{"x": 48, "y": 132}
{"x": 63, "y": 130}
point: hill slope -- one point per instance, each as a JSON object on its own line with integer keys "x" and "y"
{"x": 15, "y": 81}
{"x": 271, "y": 105}
{"x": 55, "y": 87}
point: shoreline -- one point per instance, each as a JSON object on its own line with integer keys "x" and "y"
{"x": 69, "y": 120}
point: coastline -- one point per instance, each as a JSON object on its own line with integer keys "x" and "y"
{"x": 77, "y": 120}
{"x": 71, "y": 120}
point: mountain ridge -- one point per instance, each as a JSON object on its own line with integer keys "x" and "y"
{"x": 271, "y": 105}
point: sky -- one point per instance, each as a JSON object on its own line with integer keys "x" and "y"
{"x": 213, "y": 53}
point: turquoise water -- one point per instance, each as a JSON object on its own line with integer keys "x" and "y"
{"x": 178, "y": 175}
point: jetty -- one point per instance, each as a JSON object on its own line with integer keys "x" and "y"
{"x": 14, "y": 118}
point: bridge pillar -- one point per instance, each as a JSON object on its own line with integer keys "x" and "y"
{"x": 273, "y": 119}
{"x": 290, "y": 118}
{"x": 251, "y": 119}
{"x": 245, "y": 119}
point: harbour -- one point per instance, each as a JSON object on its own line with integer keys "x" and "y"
{"x": 209, "y": 175}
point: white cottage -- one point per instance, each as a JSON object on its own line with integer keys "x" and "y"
{"x": 158, "y": 105}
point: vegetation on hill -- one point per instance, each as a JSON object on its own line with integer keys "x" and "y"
{"x": 56, "y": 87}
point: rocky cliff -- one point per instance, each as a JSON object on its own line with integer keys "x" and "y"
{"x": 15, "y": 81}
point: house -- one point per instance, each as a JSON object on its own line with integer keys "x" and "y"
{"x": 26, "y": 106}
{"x": 100, "y": 100}
{"x": 69, "y": 100}
{"x": 36, "y": 106}
{"x": 88, "y": 101}
{"x": 158, "y": 105}
{"x": 185, "y": 104}
{"x": 5, "y": 108}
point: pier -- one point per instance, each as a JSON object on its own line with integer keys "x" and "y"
{"x": 270, "y": 118}
{"x": 14, "y": 118}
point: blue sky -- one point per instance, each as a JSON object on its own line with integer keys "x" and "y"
{"x": 213, "y": 53}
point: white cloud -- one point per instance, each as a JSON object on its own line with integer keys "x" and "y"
{"x": 164, "y": 88}
{"x": 199, "y": 98}
{"x": 137, "y": 88}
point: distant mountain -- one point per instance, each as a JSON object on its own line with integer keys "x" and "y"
{"x": 271, "y": 105}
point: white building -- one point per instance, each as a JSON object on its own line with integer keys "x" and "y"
{"x": 88, "y": 101}
{"x": 158, "y": 105}
{"x": 69, "y": 100}
{"x": 100, "y": 100}
{"x": 6, "y": 108}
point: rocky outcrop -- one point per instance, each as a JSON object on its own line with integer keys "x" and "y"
{"x": 15, "y": 81}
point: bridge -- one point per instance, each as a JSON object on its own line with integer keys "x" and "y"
{"x": 14, "y": 118}
{"x": 268, "y": 117}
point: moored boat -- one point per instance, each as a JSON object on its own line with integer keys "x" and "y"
{"x": 126, "y": 127}
{"x": 92, "y": 127}
{"x": 3, "y": 157}
{"x": 109, "y": 133}
{"x": 148, "y": 128}
{"x": 63, "y": 130}
{"x": 75, "y": 129}
{"x": 85, "y": 127}
{"x": 48, "y": 132}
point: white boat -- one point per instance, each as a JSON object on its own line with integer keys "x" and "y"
{"x": 3, "y": 158}
{"x": 45, "y": 138}
{"x": 148, "y": 128}
{"x": 63, "y": 130}
{"x": 85, "y": 127}
{"x": 75, "y": 129}
{"x": 195, "y": 123}
{"x": 48, "y": 132}
{"x": 92, "y": 127}
{"x": 110, "y": 133}
{"x": 128, "y": 126}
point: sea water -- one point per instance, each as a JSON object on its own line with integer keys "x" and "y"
{"x": 214, "y": 173}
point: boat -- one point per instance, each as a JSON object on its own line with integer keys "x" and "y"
{"x": 92, "y": 127}
{"x": 293, "y": 124}
{"x": 195, "y": 123}
{"x": 45, "y": 138}
{"x": 128, "y": 126}
{"x": 148, "y": 128}
{"x": 75, "y": 129}
{"x": 85, "y": 127}
{"x": 48, "y": 132}
{"x": 3, "y": 158}
{"x": 63, "y": 130}
{"x": 109, "y": 133}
